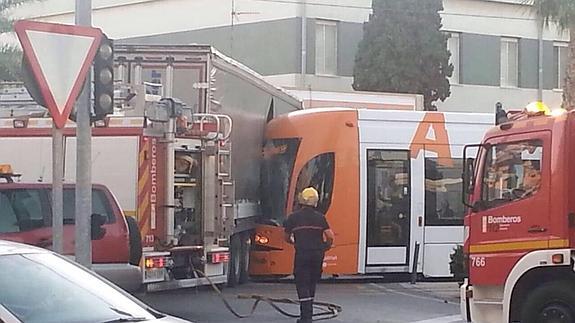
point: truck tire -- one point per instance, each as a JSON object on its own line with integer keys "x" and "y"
{"x": 245, "y": 257}
{"x": 135, "y": 239}
{"x": 234, "y": 266}
{"x": 552, "y": 302}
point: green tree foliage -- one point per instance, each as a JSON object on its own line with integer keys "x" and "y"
{"x": 458, "y": 264}
{"x": 403, "y": 50}
{"x": 10, "y": 63}
{"x": 10, "y": 56}
{"x": 562, "y": 12}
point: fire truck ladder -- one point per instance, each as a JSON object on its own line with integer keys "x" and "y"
{"x": 216, "y": 130}
{"x": 226, "y": 184}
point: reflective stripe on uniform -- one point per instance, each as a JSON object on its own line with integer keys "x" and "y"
{"x": 311, "y": 227}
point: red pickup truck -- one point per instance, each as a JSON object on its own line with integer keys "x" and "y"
{"x": 26, "y": 217}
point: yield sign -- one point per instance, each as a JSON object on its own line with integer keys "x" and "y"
{"x": 60, "y": 57}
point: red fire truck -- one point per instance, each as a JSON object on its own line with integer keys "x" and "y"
{"x": 171, "y": 164}
{"x": 520, "y": 228}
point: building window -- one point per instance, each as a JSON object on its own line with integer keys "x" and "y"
{"x": 326, "y": 48}
{"x": 509, "y": 62}
{"x": 560, "y": 64}
{"x": 453, "y": 47}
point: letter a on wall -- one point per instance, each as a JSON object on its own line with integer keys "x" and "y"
{"x": 431, "y": 135}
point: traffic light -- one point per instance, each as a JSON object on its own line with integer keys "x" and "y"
{"x": 104, "y": 79}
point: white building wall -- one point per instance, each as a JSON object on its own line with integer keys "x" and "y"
{"x": 497, "y": 18}
{"x": 134, "y": 18}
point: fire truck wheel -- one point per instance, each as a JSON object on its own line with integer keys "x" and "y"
{"x": 234, "y": 266}
{"x": 552, "y": 302}
{"x": 135, "y": 241}
{"x": 245, "y": 257}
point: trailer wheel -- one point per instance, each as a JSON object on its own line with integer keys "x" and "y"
{"x": 135, "y": 239}
{"x": 552, "y": 302}
{"x": 245, "y": 257}
{"x": 234, "y": 266}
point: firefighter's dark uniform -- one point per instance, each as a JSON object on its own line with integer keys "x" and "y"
{"x": 307, "y": 226}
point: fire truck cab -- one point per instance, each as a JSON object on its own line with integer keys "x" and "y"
{"x": 520, "y": 227}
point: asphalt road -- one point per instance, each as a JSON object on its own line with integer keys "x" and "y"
{"x": 370, "y": 302}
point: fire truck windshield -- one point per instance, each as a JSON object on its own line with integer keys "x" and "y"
{"x": 277, "y": 168}
{"x": 513, "y": 171}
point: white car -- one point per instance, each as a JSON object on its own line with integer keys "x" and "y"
{"x": 37, "y": 285}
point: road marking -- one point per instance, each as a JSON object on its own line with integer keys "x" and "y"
{"x": 393, "y": 291}
{"x": 443, "y": 319}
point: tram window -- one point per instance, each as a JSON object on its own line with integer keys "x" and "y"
{"x": 443, "y": 206}
{"x": 318, "y": 173}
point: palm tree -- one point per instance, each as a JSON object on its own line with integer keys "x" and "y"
{"x": 10, "y": 56}
{"x": 562, "y": 12}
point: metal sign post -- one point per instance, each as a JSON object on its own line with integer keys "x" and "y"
{"x": 83, "y": 245}
{"x": 57, "y": 190}
{"x": 59, "y": 58}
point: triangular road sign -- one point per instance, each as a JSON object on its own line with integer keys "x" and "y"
{"x": 60, "y": 57}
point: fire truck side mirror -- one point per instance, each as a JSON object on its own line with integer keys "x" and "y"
{"x": 467, "y": 176}
{"x": 468, "y": 172}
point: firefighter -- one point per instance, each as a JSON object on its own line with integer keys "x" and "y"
{"x": 531, "y": 178}
{"x": 309, "y": 231}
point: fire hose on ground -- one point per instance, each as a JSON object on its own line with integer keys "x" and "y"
{"x": 322, "y": 310}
